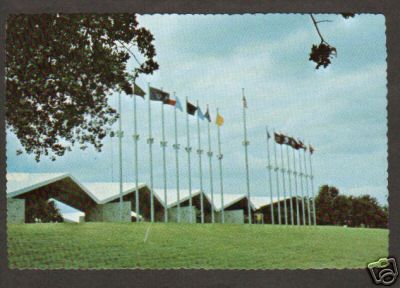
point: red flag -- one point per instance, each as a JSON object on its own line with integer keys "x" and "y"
{"x": 169, "y": 101}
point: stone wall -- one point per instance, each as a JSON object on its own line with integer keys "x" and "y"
{"x": 231, "y": 216}
{"x": 184, "y": 213}
{"x": 15, "y": 210}
{"x": 109, "y": 213}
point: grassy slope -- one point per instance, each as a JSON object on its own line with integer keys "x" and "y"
{"x": 110, "y": 245}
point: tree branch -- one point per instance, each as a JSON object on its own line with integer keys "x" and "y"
{"x": 130, "y": 52}
{"x": 316, "y": 27}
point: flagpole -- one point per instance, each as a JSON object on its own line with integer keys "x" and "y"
{"x": 188, "y": 149}
{"x": 307, "y": 187}
{"x": 136, "y": 139}
{"x": 112, "y": 134}
{"x": 284, "y": 185}
{"x": 277, "y": 183}
{"x": 246, "y": 144}
{"x": 210, "y": 154}
{"x": 270, "y": 179}
{"x": 302, "y": 190}
{"x": 312, "y": 190}
{"x": 176, "y": 147}
{"x": 150, "y": 141}
{"x": 163, "y": 144}
{"x": 296, "y": 189}
{"x": 220, "y": 156}
{"x": 289, "y": 171}
{"x": 120, "y": 134}
{"x": 199, "y": 152}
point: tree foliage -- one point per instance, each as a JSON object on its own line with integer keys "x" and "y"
{"x": 335, "y": 209}
{"x": 60, "y": 70}
{"x": 323, "y": 52}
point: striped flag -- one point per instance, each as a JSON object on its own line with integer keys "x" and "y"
{"x": 171, "y": 102}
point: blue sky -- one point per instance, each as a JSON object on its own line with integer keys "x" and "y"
{"x": 341, "y": 110}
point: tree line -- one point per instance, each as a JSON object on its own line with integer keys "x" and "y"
{"x": 353, "y": 211}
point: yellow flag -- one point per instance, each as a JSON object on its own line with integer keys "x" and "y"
{"x": 220, "y": 120}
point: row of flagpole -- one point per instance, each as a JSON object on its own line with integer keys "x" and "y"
{"x": 159, "y": 95}
{"x": 297, "y": 170}
{"x": 176, "y": 146}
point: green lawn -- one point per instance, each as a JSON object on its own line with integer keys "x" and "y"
{"x": 220, "y": 246}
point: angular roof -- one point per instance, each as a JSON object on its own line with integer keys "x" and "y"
{"x": 105, "y": 192}
{"x": 21, "y": 183}
{"x": 260, "y": 201}
{"x": 18, "y": 183}
{"x": 172, "y": 196}
{"x": 229, "y": 200}
{"x": 100, "y": 192}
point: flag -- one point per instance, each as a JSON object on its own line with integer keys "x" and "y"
{"x": 190, "y": 108}
{"x": 311, "y": 149}
{"x": 244, "y": 102}
{"x": 178, "y": 104}
{"x": 301, "y": 145}
{"x": 293, "y": 143}
{"x": 279, "y": 138}
{"x": 219, "y": 120}
{"x": 158, "y": 95}
{"x": 200, "y": 114}
{"x": 286, "y": 140}
{"x": 138, "y": 91}
{"x": 207, "y": 115}
{"x": 169, "y": 101}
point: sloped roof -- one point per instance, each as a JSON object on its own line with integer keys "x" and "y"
{"x": 104, "y": 192}
{"x": 100, "y": 192}
{"x": 20, "y": 183}
{"x": 229, "y": 199}
{"x": 108, "y": 191}
{"x": 172, "y": 195}
{"x": 260, "y": 201}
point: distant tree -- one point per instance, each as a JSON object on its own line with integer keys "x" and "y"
{"x": 335, "y": 209}
{"x": 341, "y": 210}
{"x": 43, "y": 210}
{"x": 367, "y": 211}
{"x": 60, "y": 70}
{"x": 324, "y": 204}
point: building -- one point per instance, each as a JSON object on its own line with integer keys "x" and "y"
{"x": 99, "y": 201}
